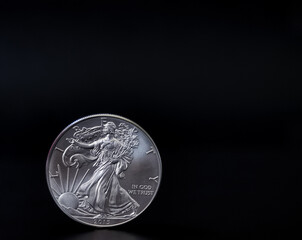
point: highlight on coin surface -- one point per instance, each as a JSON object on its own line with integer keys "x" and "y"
{"x": 103, "y": 170}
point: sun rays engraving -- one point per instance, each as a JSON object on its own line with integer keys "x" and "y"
{"x": 67, "y": 195}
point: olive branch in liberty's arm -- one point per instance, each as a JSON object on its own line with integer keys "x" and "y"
{"x": 124, "y": 149}
{"x": 121, "y": 151}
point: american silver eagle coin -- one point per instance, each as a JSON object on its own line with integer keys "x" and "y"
{"x": 103, "y": 170}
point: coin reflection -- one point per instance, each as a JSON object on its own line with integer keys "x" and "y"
{"x": 107, "y": 234}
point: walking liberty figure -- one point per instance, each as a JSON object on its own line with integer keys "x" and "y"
{"x": 109, "y": 150}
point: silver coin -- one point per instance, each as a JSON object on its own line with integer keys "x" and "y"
{"x": 103, "y": 170}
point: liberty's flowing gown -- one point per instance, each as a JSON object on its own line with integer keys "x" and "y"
{"x": 102, "y": 193}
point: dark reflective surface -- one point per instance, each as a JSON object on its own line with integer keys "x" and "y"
{"x": 106, "y": 234}
{"x": 217, "y": 86}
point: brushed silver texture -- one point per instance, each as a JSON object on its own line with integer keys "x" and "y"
{"x": 103, "y": 170}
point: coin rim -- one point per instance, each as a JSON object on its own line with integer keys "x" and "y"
{"x": 96, "y": 116}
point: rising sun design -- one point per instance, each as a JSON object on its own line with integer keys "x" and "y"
{"x": 67, "y": 196}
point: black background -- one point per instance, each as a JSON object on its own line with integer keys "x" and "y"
{"x": 216, "y": 85}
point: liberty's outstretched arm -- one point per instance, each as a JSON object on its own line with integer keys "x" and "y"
{"x": 89, "y": 145}
{"x": 81, "y": 144}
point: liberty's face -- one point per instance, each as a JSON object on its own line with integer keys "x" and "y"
{"x": 109, "y": 128}
{"x": 106, "y": 130}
